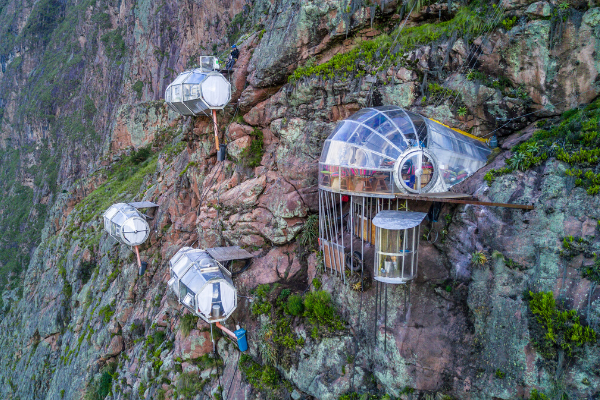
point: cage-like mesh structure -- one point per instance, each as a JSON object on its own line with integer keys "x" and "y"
{"x": 200, "y": 89}
{"x": 397, "y": 235}
{"x": 202, "y": 285}
{"x": 126, "y": 224}
{"x": 386, "y": 150}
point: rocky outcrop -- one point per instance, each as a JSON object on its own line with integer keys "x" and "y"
{"x": 80, "y": 313}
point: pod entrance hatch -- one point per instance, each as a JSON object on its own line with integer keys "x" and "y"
{"x": 416, "y": 171}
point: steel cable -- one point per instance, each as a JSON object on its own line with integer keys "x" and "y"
{"x": 473, "y": 56}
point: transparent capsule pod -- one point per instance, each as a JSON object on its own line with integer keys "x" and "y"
{"x": 200, "y": 89}
{"x": 397, "y": 245}
{"x": 388, "y": 150}
{"x": 126, "y": 224}
{"x": 202, "y": 285}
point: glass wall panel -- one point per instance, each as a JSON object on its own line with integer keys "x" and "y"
{"x": 325, "y": 151}
{"x": 360, "y": 135}
{"x": 343, "y": 130}
{"x": 181, "y": 78}
{"x": 362, "y": 115}
{"x": 176, "y": 92}
{"x": 197, "y": 106}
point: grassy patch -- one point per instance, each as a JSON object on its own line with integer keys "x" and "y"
{"x": 124, "y": 180}
{"x": 187, "y": 323}
{"x": 573, "y": 140}
{"x": 555, "y": 328}
{"x": 114, "y": 45}
{"x": 138, "y": 88}
{"x": 101, "y": 387}
{"x": 469, "y": 21}
{"x": 265, "y": 378}
{"x": 252, "y": 155}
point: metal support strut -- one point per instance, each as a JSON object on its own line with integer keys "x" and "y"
{"x": 227, "y": 331}
{"x": 137, "y": 253}
{"x": 216, "y": 128}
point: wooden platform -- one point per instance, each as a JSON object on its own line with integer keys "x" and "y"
{"x": 143, "y": 204}
{"x": 222, "y": 254}
{"x": 459, "y": 198}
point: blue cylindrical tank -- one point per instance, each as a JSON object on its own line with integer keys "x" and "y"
{"x": 241, "y": 338}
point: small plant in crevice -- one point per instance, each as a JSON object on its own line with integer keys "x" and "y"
{"x": 310, "y": 231}
{"x": 535, "y": 395}
{"x": 478, "y": 258}
{"x": 252, "y": 155}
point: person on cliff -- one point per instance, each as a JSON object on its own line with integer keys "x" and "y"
{"x": 235, "y": 53}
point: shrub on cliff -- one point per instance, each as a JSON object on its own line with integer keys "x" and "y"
{"x": 318, "y": 310}
{"x": 555, "y": 330}
{"x": 295, "y": 305}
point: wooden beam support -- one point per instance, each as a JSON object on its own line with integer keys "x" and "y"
{"x": 465, "y": 201}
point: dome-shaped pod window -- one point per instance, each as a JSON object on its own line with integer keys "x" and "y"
{"x": 126, "y": 224}
{"x": 364, "y": 152}
{"x": 193, "y": 92}
{"x": 202, "y": 284}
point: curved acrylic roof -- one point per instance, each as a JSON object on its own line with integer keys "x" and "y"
{"x": 374, "y": 140}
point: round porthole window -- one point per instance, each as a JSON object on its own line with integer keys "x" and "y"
{"x": 415, "y": 171}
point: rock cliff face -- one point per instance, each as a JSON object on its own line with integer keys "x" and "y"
{"x": 84, "y": 125}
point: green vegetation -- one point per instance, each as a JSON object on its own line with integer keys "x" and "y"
{"x": 252, "y": 155}
{"x": 508, "y": 22}
{"x": 278, "y": 341}
{"x": 295, "y": 305}
{"x": 479, "y": 258}
{"x": 318, "y": 310}
{"x": 138, "y": 88}
{"x": 189, "y": 385}
{"x": 469, "y": 21}
{"x": 574, "y": 139}
{"x": 107, "y": 312}
{"x": 101, "y": 387}
{"x": 114, "y": 45}
{"x": 187, "y": 323}
{"x": 44, "y": 19}
{"x": 499, "y": 374}
{"x": 124, "y": 179}
{"x": 310, "y": 231}
{"x": 265, "y": 378}
{"x": 535, "y": 395}
{"x": 554, "y": 328}
{"x": 102, "y": 19}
